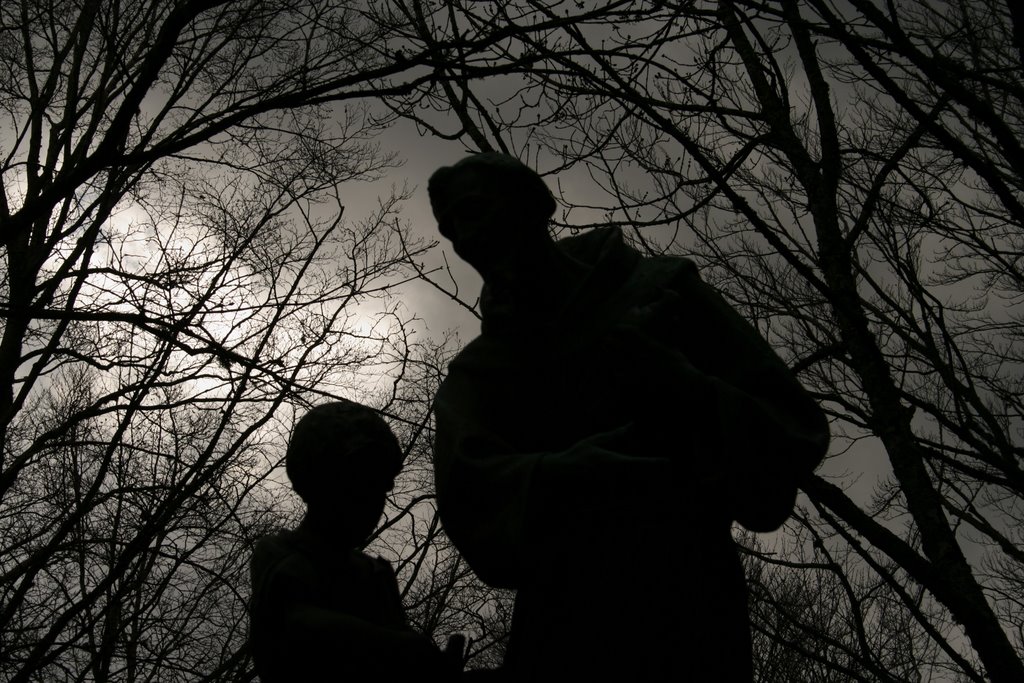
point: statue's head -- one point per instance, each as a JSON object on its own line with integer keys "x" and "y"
{"x": 342, "y": 460}
{"x": 487, "y": 204}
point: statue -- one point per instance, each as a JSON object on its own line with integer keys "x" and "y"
{"x": 321, "y": 609}
{"x": 597, "y": 440}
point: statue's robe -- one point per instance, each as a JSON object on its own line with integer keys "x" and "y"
{"x": 594, "y": 458}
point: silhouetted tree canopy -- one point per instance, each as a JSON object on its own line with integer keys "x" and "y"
{"x": 179, "y": 272}
{"x": 178, "y": 275}
{"x": 849, "y": 175}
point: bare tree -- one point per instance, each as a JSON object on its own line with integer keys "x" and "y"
{"x": 849, "y": 175}
{"x": 179, "y": 277}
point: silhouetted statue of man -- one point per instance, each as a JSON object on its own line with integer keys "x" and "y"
{"x": 597, "y": 440}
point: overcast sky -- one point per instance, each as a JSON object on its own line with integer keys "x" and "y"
{"x": 423, "y": 155}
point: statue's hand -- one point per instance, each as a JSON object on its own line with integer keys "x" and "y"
{"x": 658, "y": 319}
{"x": 619, "y": 440}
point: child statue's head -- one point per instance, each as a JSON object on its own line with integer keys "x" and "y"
{"x": 342, "y": 460}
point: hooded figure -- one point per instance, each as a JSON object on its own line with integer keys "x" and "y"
{"x": 598, "y": 439}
